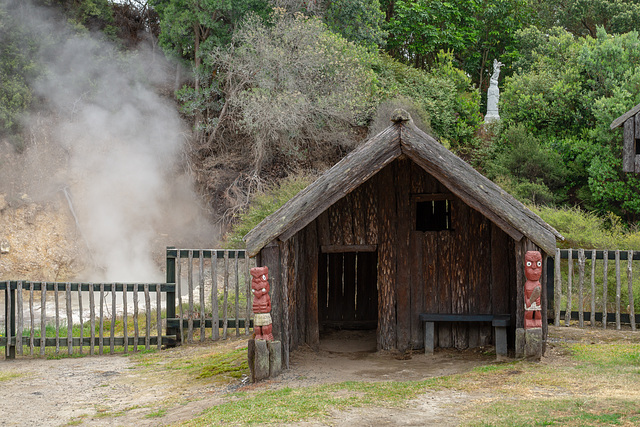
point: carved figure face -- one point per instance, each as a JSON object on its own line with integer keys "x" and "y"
{"x": 259, "y": 281}
{"x": 533, "y": 265}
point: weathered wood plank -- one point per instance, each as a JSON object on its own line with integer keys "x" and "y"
{"x": 112, "y": 332}
{"x": 581, "y": 262}
{"x": 237, "y": 296}
{"x": 201, "y": 293}
{"x": 311, "y": 295}
{"x": 125, "y": 319}
{"x": 593, "y": 287}
{"x": 67, "y": 297}
{"x": 43, "y": 317}
{"x": 371, "y": 210}
{"x": 629, "y": 146}
{"x": 500, "y": 285}
{"x": 567, "y": 316}
{"x": 631, "y": 309}
{"x": 482, "y": 286}
{"x": 285, "y": 254}
{"x": 32, "y": 316}
{"x": 557, "y": 289}
{"x": 225, "y": 297}
{"x": 618, "y": 289}
{"x": 215, "y": 313}
{"x": 147, "y": 306}
{"x": 430, "y": 276}
{"x": 462, "y": 237}
{"x": 324, "y": 232}
{"x": 247, "y": 293}
{"x": 20, "y": 318}
{"x": 445, "y": 265}
{"x": 605, "y": 287}
{"x": 179, "y": 294}
{"x": 417, "y": 285}
{"x": 190, "y": 314}
{"x": 159, "y": 318}
{"x": 101, "y": 326}
{"x": 387, "y": 256}
{"x": 520, "y": 250}
{"x": 403, "y": 255}
{"x": 359, "y": 216}
{"x": 136, "y": 313}
{"x": 335, "y": 225}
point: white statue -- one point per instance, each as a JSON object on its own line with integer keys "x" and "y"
{"x": 493, "y": 94}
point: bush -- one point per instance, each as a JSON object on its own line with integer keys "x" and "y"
{"x": 262, "y": 206}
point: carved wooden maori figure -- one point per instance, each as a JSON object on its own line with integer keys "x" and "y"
{"x": 532, "y": 290}
{"x": 262, "y": 326}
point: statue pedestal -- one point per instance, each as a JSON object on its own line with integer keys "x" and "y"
{"x": 265, "y": 359}
{"x": 529, "y": 343}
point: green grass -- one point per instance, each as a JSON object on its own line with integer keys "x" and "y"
{"x": 8, "y": 375}
{"x": 607, "y": 355}
{"x": 157, "y": 414}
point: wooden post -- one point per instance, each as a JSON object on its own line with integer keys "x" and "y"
{"x": 190, "y": 290}
{"x": 215, "y": 314}
{"x": 237, "y": 305}
{"x": 20, "y": 313}
{"x": 201, "y": 285}
{"x": 125, "y": 319}
{"x": 147, "y": 306}
{"x": 567, "y": 314}
{"x": 112, "y": 331}
{"x": 284, "y": 277}
{"x": 92, "y": 319}
{"x": 593, "y": 288}
{"x": 80, "y": 315}
{"x": 171, "y": 296}
{"x": 101, "y": 330}
{"x": 618, "y": 289}
{"x": 136, "y": 313}
{"x": 32, "y": 320}
{"x": 225, "y": 298}
{"x": 557, "y": 288}
{"x": 43, "y": 317}
{"x": 249, "y": 300}
{"x": 581, "y": 262}
{"x": 605, "y": 286}
{"x": 10, "y": 321}
{"x": 67, "y": 298}
{"x": 180, "y": 330}
{"x": 57, "y": 304}
{"x": 159, "y": 316}
{"x": 632, "y": 316}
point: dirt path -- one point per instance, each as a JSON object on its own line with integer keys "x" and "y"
{"x": 118, "y": 390}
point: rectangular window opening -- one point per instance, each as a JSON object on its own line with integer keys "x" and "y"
{"x": 433, "y": 215}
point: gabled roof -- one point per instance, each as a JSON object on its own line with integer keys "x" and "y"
{"x": 623, "y": 118}
{"x": 403, "y": 137}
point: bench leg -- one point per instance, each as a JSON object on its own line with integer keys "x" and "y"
{"x": 428, "y": 338}
{"x": 501, "y": 340}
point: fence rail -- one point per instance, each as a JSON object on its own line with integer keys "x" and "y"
{"x": 603, "y": 290}
{"x": 126, "y": 316}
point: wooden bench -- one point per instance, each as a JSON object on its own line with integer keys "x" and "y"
{"x": 498, "y": 321}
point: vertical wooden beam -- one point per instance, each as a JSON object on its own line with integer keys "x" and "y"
{"x": 618, "y": 289}
{"x": 215, "y": 310}
{"x": 43, "y": 317}
{"x": 201, "y": 287}
{"x": 464, "y": 236}
{"x": 284, "y": 280}
{"x": 190, "y": 291}
{"x": 225, "y": 297}
{"x": 180, "y": 330}
{"x": 557, "y": 288}
{"x": 387, "y": 253}
{"x": 593, "y": 288}
{"x": 445, "y": 265}
{"x": 567, "y": 314}
{"x": 311, "y": 294}
{"x": 632, "y": 315}
{"x": 247, "y": 293}
{"x": 101, "y": 326}
{"x": 20, "y": 318}
{"x": 136, "y": 313}
{"x": 628, "y": 148}
{"x": 67, "y": 297}
{"x": 171, "y": 296}
{"x": 581, "y": 262}
{"x": 417, "y": 288}
{"x": 403, "y": 255}
{"x": 32, "y": 320}
{"x": 544, "y": 300}
{"x": 429, "y": 277}
{"x": 371, "y": 205}
{"x": 237, "y": 296}
{"x": 112, "y": 332}
{"x": 605, "y": 287}
{"x": 147, "y": 306}
{"x": 520, "y": 249}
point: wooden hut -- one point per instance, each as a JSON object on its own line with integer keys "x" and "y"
{"x": 631, "y": 144}
{"x": 399, "y": 227}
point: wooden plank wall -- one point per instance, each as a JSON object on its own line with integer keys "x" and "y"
{"x": 469, "y": 269}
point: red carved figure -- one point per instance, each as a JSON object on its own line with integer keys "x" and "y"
{"x": 532, "y": 290}
{"x": 262, "y": 326}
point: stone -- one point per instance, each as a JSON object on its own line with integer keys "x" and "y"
{"x": 261, "y": 361}
{"x": 5, "y": 246}
{"x": 520, "y": 342}
{"x": 533, "y": 345}
{"x": 275, "y": 358}
{"x": 251, "y": 357}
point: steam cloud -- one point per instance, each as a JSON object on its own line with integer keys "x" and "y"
{"x": 121, "y": 148}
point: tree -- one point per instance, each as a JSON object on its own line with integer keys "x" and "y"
{"x": 357, "y": 20}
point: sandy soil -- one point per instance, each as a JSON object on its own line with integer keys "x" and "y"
{"x": 116, "y": 390}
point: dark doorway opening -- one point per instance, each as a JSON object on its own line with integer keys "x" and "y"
{"x": 347, "y": 291}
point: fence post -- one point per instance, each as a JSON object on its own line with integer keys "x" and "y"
{"x": 171, "y": 296}
{"x": 10, "y": 321}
